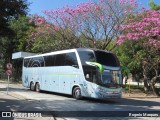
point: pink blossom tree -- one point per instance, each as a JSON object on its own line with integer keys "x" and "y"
{"x": 144, "y": 29}
{"x": 48, "y": 37}
{"x": 93, "y": 24}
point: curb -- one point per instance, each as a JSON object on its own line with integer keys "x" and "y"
{"x": 139, "y": 97}
{"x": 15, "y": 95}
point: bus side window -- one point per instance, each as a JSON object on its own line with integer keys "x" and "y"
{"x": 26, "y": 62}
{"x": 37, "y": 62}
{"x": 60, "y": 60}
{"x": 90, "y": 73}
{"x": 71, "y": 60}
{"x": 34, "y": 62}
{"x": 30, "y": 62}
{"x": 49, "y": 60}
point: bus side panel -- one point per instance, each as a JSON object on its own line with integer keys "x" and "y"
{"x": 53, "y": 79}
{"x": 25, "y": 79}
{"x": 49, "y": 79}
{"x": 68, "y": 76}
{"x": 35, "y": 74}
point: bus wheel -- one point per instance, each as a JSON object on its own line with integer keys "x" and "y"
{"x": 37, "y": 87}
{"x": 77, "y": 93}
{"x": 32, "y": 87}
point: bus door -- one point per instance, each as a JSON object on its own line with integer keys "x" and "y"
{"x": 25, "y": 77}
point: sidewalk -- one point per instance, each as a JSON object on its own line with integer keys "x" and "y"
{"x": 14, "y": 98}
{"x": 14, "y": 90}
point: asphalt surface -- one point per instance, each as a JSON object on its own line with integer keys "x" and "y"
{"x": 22, "y": 99}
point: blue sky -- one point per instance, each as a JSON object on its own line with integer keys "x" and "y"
{"x": 38, "y": 5}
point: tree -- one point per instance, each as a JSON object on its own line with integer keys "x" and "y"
{"x": 91, "y": 24}
{"x": 129, "y": 54}
{"x": 10, "y": 9}
{"x": 153, "y": 5}
{"x": 22, "y": 29}
{"x": 48, "y": 37}
{"x": 144, "y": 30}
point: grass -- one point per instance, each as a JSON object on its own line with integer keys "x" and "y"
{"x": 137, "y": 89}
{"x": 133, "y": 88}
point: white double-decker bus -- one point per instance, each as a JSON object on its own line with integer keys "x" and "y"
{"x": 79, "y": 72}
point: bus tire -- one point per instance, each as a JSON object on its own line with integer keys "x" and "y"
{"x": 32, "y": 87}
{"x": 77, "y": 93}
{"x": 37, "y": 87}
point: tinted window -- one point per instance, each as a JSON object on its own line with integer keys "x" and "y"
{"x": 68, "y": 59}
{"x": 60, "y": 60}
{"x": 86, "y": 56}
{"x": 34, "y": 62}
{"x": 90, "y": 73}
{"x": 71, "y": 60}
{"x": 107, "y": 59}
{"x": 30, "y": 62}
{"x": 26, "y": 61}
{"x": 49, "y": 60}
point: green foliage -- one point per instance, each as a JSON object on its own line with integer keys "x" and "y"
{"x": 141, "y": 54}
{"x": 130, "y": 56}
{"x": 21, "y": 28}
{"x": 154, "y": 6}
{"x": 11, "y": 9}
{"x": 45, "y": 39}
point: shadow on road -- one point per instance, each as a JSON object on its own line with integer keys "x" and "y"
{"x": 22, "y": 109}
{"x": 115, "y": 101}
{"x": 86, "y": 107}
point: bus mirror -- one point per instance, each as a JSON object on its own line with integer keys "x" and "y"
{"x": 76, "y": 66}
{"x": 87, "y": 75}
{"x": 97, "y": 65}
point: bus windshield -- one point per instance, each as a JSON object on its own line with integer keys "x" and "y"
{"x": 107, "y": 59}
{"x": 92, "y": 73}
{"x": 110, "y": 78}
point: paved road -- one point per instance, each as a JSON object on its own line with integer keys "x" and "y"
{"x": 22, "y": 99}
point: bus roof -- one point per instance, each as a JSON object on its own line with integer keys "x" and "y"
{"x": 68, "y": 50}
{"x": 91, "y": 49}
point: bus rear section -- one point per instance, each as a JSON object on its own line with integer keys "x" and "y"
{"x": 56, "y": 71}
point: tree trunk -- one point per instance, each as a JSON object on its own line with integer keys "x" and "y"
{"x": 146, "y": 87}
{"x": 152, "y": 84}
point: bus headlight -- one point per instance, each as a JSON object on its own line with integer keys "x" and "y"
{"x": 108, "y": 92}
{"x": 101, "y": 90}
